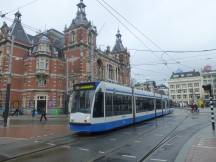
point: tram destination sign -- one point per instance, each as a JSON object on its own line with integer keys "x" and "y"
{"x": 86, "y": 86}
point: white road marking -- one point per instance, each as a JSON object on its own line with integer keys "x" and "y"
{"x": 137, "y": 141}
{"x": 201, "y": 146}
{"x": 101, "y": 152}
{"x": 38, "y": 136}
{"x": 129, "y": 156}
{"x": 51, "y": 144}
{"x": 160, "y": 135}
{"x": 66, "y": 146}
{"x": 44, "y": 135}
{"x": 36, "y": 141}
{"x": 158, "y": 160}
{"x": 168, "y": 144}
{"x": 83, "y": 149}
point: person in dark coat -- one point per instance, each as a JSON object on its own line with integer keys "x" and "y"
{"x": 43, "y": 114}
{"x": 33, "y": 112}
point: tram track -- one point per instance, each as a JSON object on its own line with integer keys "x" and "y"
{"x": 73, "y": 142}
{"x": 100, "y": 157}
{"x": 46, "y": 148}
{"x": 169, "y": 137}
{"x": 77, "y": 139}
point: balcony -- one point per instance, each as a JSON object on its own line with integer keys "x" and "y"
{"x": 42, "y": 72}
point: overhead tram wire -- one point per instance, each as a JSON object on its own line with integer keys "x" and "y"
{"x": 110, "y": 12}
{"x": 20, "y": 7}
{"x": 138, "y": 30}
{"x": 175, "y": 51}
{"x": 37, "y": 31}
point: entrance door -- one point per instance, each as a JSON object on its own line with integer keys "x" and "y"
{"x": 41, "y": 104}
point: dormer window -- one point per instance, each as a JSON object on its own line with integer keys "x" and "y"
{"x": 42, "y": 82}
{"x": 43, "y": 48}
{"x": 42, "y": 64}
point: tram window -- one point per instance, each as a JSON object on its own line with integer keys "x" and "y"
{"x": 150, "y": 104}
{"x": 98, "y": 106}
{"x": 109, "y": 104}
{"x": 117, "y": 104}
{"x": 158, "y": 104}
{"x": 144, "y": 104}
{"x": 164, "y": 104}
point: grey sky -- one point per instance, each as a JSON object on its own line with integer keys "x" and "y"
{"x": 172, "y": 24}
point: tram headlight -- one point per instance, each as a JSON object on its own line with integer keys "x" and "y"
{"x": 87, "y": 119}
{"x": 71, "y": 119}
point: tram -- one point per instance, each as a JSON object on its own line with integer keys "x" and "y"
{"x": 102, "y": 106}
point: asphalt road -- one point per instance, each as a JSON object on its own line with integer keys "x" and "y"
{"x": 156, "y": 140}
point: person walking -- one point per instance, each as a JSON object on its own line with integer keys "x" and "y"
{"x": 43, "y": 114}
{"x": 16, "y": 112}
{"x": 33, "y": 112}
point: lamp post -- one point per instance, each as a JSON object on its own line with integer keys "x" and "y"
{"x": 8, "y": 89}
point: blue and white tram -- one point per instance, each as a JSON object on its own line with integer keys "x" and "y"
{"x": 102, "y": 106}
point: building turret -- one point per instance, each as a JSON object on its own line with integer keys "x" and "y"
{"x": 118, "y": 45}
{"x": 17, "y": 30}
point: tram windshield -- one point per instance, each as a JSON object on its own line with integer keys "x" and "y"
{"x": 81, "y": 101}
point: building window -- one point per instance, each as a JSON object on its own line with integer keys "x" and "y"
{"x": 179, "y": 91}
{"x": 172, "y": 91}
{"x": 178, "y": 96}
{"x": 191, "y": 90}
{"x": 42, "y": 82}
{"x": 196, "y": 90}
{"x": 196, "y": 84}
{"x": 184, "y": 86}
{"x": 173, "y": 96}
{"x": 73, "y": 37}
{"x": 171, "y": 86}
{"x": 178, "y": 86}
{"x": 190, "y": 96}
{"x": 89, "y": 38}
{"x": 184, "y": 96}
{"x": 184, "y": 90}
{"x": 190, "y": 85}
{"x": 42, "y": 64}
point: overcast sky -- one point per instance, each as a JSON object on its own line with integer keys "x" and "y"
{"x": 170, "y": 24}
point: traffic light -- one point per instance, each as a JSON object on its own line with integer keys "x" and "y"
{"x": 207, "y": 88}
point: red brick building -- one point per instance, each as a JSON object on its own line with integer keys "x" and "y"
{"x": 45, "y": 66}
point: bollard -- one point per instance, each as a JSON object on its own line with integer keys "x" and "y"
{"x": 212, "y": 114}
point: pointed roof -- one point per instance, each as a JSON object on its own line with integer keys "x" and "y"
{"x": 118, "y": 45}
{"x": 18, "y": 31}
{"x": 80, "y": 16}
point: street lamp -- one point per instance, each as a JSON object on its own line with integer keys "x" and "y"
{"x": 8, "y": 89}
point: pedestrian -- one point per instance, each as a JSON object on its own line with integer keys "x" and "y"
{"x": 33, "y": 112}
{"x": 16, "y": 112}
{"x": 193, "y": 107}
{"x": 43, "y": 114}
